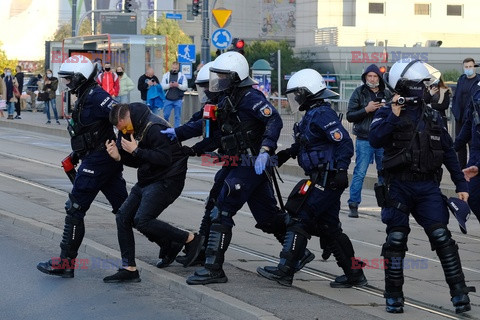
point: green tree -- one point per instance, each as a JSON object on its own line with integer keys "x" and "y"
{"x": 5, "y": 62}
{"x": 262, "y": 50}
{"x": 451, "y": 75}
{"x": 65, "y": 30}
{"x": 170, "y": 29}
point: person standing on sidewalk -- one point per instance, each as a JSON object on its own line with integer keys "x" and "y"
{"x": 19, "y": 75}
{"x": 175, "y": 84}
{"x": 467, "y": 85}
{"x": 162, "y": 169}
{"x": 126, "y": 85}
{"x": 50, "y": 86}
{"x": 89, "y": 129}
{"x": 9, "y": 82}
{"x": 365, "y": 100}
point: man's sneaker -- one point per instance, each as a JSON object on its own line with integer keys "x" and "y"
{"x": 206, "y": 276}
{"x": 56, "y": 268}
{"x": 123, "y": 275}
{"x": 394, "y": 305}
{"x": 353, "y": 210}
{"x": 344, "y": 282}
{"x": 58, "y": 122}
{"x": 18, "y": 117}
{"x": 168, "y": 255}
{"x": 48, "y": 122}
{"x": 192, "y": 249}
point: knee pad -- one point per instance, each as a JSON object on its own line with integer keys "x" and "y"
{"x": 216, "y": 215}
{"x": 73, "y": 208}
{"x": 396, "y": 243}
{"x": 440, "y": 237}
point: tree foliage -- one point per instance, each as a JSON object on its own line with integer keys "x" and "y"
{"x": 262, "y": 49}
{"x": 65, "y": 30}
{"x": 5, "y": 62}
{"x": 174, "y": 34}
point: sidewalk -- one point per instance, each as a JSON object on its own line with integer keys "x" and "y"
{"x": 36, "y": 122}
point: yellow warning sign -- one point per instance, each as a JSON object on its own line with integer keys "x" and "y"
{"x": 221, "y": 16}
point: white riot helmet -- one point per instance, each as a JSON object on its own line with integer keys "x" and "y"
{"x": 228, "y": 70}
{"x": 407, "y": 73}
{"x": 203, "y": 77}
{"x": 306, "y": 85}
{"x": 75, "y": 72}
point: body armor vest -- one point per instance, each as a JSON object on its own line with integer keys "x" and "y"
{"x": 413, "y": 150}
{"x": 238, "y": 137}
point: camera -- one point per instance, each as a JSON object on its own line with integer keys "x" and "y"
{"x": 403, "y": 100}
{"x": 379, "y": 100}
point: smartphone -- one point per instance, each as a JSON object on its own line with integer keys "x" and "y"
{"x": 379, "y": 100}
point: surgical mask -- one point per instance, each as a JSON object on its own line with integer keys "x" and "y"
{"x": 128, "y": 129}
{"x": 120, "y": 74}
{"x": 49, "y": 75}
{"x": 468, "y": 72}
{"x": 8, "y": 74}
{"x": 107, "y": 69}
{"x": 372, "y": 85}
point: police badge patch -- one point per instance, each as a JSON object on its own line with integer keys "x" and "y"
{"x": 266, "y": 111}
{"x": 336, "y": 134}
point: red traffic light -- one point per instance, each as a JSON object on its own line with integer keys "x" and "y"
{"x": 240, "y": 44}
{"x": 383, "y": 69}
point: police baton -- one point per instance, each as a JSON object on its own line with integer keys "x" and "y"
{"x": 273, "y": 178}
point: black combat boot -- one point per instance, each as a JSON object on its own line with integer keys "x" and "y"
{"x": 73, "y": 233}
{"x": 294, "y": 247}
{"x": 218, "y": 241}
{"x": 447, "y": 251}
{"x": 342, "y": 249}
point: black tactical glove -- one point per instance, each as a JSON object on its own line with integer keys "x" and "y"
{"x": 188, "y": 151}
{"x": 283, "y": 157}
{"x": 340, "y": 181}
{"x": 75, "y": 158}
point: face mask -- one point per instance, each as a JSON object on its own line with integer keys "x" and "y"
{"x": 372, "y": 85}
{"x": 49, "y": 75}
{"x": 128, "y": 129}
{"x": 8, "y": 74}
{"x": 468, "y": 72}
{"x": 120, "y": 74}
{"x": 173, "y": 71}
{"x": 107, "y": 69}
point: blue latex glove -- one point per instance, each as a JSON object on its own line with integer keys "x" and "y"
{"x": 261, "y": 162}
{"x": 170, "y": 132}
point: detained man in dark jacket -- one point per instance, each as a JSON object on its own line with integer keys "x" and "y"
{"x": 365, "y": 100}
{"x": 161, "y": 173}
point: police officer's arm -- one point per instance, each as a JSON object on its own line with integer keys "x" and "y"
{"x": 382, "y": 126}
{"x": 466, "y": 133}
{"x": 266, "y": 112}
{"x": 189, "y": 130}
{"x": 450, "y": 161}
{"x": 333, "y": 129}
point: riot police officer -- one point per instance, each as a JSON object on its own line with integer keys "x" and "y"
{"x": 470, "y": 134}
{"x": 416, "y": 145}
{"x": 324, "y": 149}
{"x": 89, "y": 129}
{"x": 249, "y": 127}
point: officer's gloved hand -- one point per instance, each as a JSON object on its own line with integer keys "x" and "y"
{"x": 75, "y": 158}
{"x": 189, "y": 151}
{"x": 340, "y": 181}
{"x": 261, "y": 162}
{"x": 283, "y": 157}
{"x": 170, "y": 132}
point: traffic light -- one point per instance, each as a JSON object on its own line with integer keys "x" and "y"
{"x": 128, "y": 7}
{"x": 238, "y": 45}
{"x": 196, "y": 7}
{"x": 383, "y": 69}
{"x": 273, "y": 60}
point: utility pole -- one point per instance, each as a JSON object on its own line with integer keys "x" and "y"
{"x": 74, "y": 17}
{"x": 279, "y": 75}
{"x": 205, "y": 53}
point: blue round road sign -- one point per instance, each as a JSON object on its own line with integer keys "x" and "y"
{"x": 221, "y": 38}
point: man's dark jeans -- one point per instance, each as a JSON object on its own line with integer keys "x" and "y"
{"x": 141, "y": 209}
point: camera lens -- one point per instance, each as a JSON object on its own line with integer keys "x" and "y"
{"x": 401, "y": 100}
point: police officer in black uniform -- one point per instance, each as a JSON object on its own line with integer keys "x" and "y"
{"x": 89, "y": 128}
{"x": 324, "y": 150}
{"x": 416, "y": 145}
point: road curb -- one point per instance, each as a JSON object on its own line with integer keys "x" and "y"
{"x": 210, "y": 298}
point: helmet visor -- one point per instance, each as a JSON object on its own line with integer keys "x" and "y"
{"x": 434, "y": 75}
{"x": 64, "y": 84}
{"x": 202, "y": 97}
{"x": 295, "y": 99}
{"x": 220, "y": 81}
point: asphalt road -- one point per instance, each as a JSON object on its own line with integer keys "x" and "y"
{"x": 32, "y": 185}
